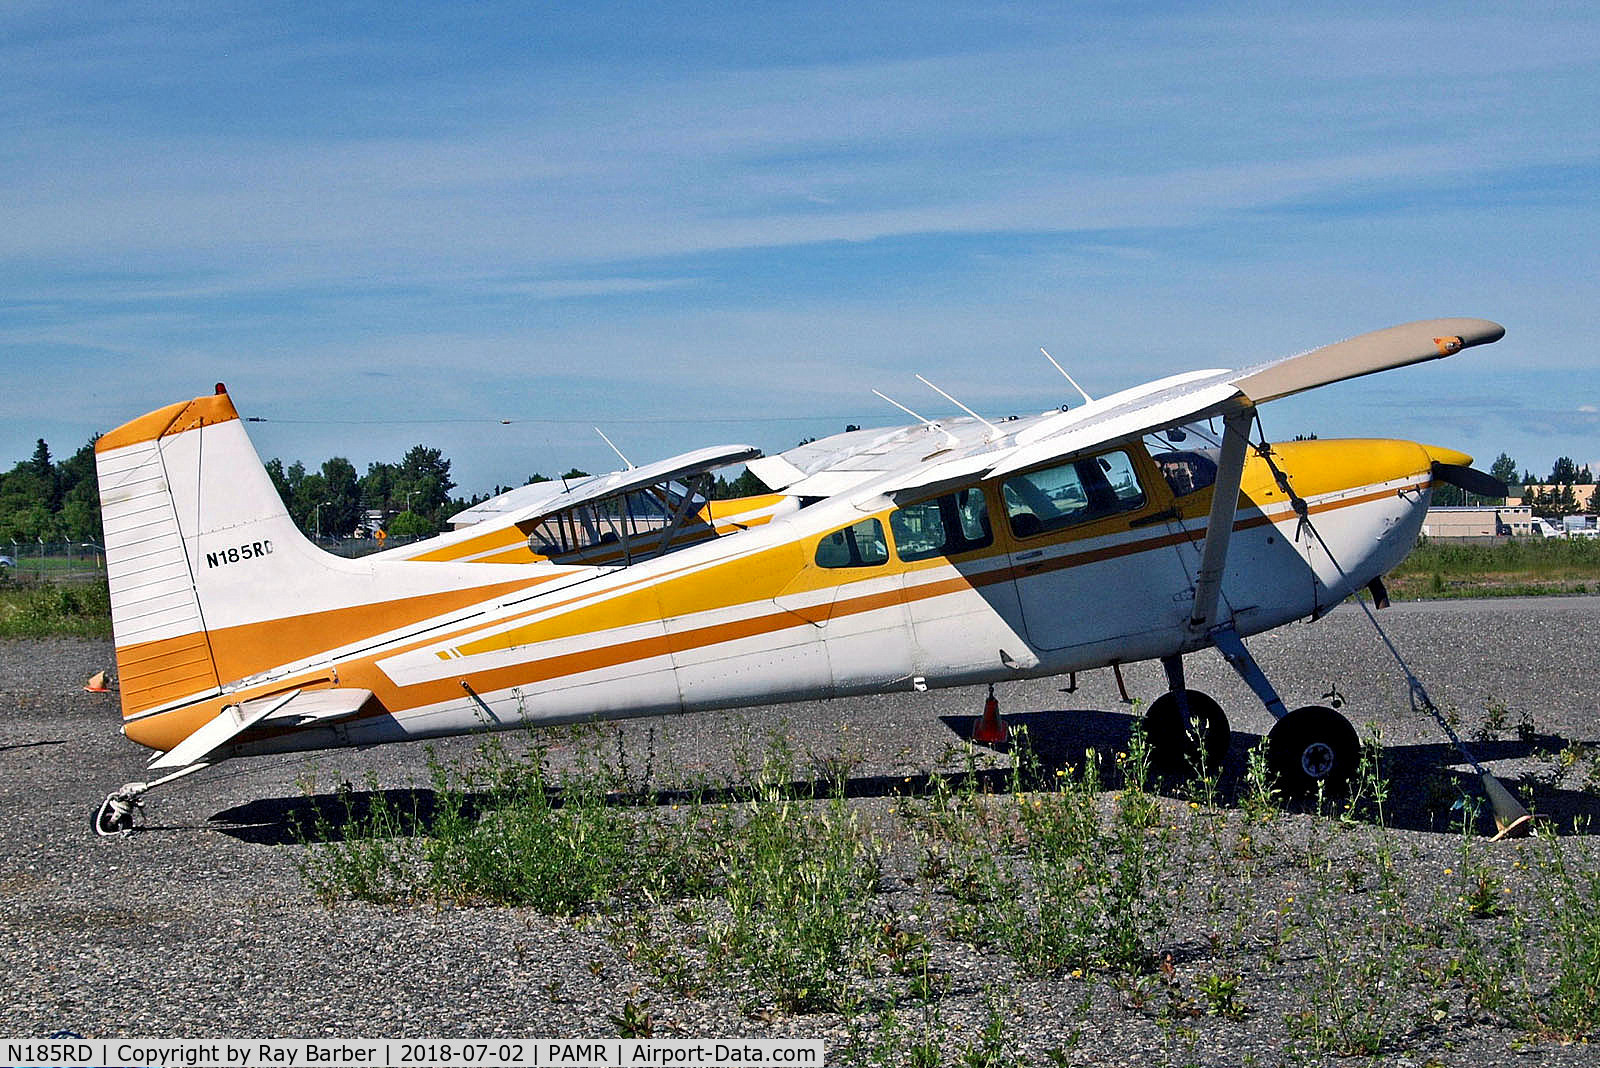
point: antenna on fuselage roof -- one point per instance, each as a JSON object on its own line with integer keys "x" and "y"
{"x": 994, "y": 431}
{"x": 614, "y": 449}
{"x": 1086, "y": 398}
{"x": 929, "y": 423}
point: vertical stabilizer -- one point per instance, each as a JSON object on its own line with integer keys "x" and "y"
{"x": 155, "y": 473}
{"x": 162, "y": 652}
{"x": 212, "y": 584}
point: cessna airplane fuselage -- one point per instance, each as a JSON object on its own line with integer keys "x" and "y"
{"x": 903, "y": 559}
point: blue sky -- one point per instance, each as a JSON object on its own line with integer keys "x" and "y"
{"x": 700, "y": 223}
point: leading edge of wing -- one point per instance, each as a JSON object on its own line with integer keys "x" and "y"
{"x": 1380, "y": 350}
{"x": 1200, "y": 395}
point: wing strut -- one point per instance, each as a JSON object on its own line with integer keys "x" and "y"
{"x": 1219, "y": 525}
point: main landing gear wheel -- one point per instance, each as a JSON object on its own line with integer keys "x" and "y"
{"x": 1311, "y": 746}
{"x": 1177, "y": 743}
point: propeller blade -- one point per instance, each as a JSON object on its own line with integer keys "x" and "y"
{"x": 1470, "y": 479}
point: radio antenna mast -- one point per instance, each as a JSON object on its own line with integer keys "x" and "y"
{"x": 1086, "y": 398}
{"x": 614, "y": 449}
{"x": 929, "y": 423}
{"x": 994, "y": 431}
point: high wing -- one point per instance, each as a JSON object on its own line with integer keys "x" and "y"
{"x": 645, "y": 511}
{"x": 927, "y": 456}
{"x": 539, "y": 499}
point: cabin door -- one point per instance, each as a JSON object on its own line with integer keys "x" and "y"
{"x": 1093, "y": 555}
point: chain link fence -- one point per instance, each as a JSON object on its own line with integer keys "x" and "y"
{"x": 44, "y": 561}
{"x": 82, "y": 561}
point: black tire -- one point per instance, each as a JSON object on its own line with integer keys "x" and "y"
{"x": 1313, "y": 746}
{"x": 1176, "y": 744}
{"x": 105, "y": 821}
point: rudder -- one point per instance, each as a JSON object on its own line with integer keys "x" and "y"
{"x": 153, "y": 484}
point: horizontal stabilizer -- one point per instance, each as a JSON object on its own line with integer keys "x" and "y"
{"x": 224, "y": 727}
{"x": 298, "y": 707}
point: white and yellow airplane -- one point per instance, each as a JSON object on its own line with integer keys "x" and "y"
{"x": 928, "y": 555}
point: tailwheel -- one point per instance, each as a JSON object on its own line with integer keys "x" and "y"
{"x": 1180, "y": 743}
{"x": 115, "y": 815}
{"x": 1312, "y": 746}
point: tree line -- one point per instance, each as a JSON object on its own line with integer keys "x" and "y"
{"x": 43, "y": 499}
{"x": 408, "y": 498}
{"x": 1557, "y": 496}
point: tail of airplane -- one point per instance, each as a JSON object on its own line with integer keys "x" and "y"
{"x": 212, "y": 584}
{"x": 193, "y": 528}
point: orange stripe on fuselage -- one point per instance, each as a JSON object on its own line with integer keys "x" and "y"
{"x": 252, "y": 648}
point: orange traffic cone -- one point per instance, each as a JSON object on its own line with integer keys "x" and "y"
{"x": 97, "y": 683}
{"x": 990, "y": 729}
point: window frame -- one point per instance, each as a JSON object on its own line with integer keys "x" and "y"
{"x": 949, "y": 546}
{"x": 1117, "y": 505}
{"x": 853, "y": 544}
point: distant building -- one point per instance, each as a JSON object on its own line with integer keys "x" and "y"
{"x": 1582, "y": 493}
{"x": 1484, "y": 521}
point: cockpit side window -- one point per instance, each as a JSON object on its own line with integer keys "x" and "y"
{"x": 943, "y": 526}
{"x": 1187, "y": 472}
{"x": 858, "y": 545}
{"x": 1071, "y": 493}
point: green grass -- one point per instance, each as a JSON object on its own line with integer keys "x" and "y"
{"x": 1444, "y": 569}
{"x": 46, "y": 610}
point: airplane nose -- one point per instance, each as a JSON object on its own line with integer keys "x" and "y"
{"x": 1441, "y": 455}
{"x": 1456, "y": 468}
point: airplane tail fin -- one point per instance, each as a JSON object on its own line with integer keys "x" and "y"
{"x": 183, "y": 496}
{"x": 214, "y": 588}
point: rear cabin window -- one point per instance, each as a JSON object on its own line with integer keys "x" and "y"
{"x": 859, "y": 545}
{"x": 943, "y": 526}
{"x": 1072, "y": 493}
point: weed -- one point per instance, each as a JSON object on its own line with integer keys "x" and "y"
{"x": 1221, "y": 993}
{"x": 1569, "y": 908}
{"x": 1260, "y": 799}
{"x": 1368, "y": 789}
{"x": 1088, "y": 890}
{"x": 633, "y": 1019}
{"x": 798, "y": 888}
{"x": 1496, "y": 718}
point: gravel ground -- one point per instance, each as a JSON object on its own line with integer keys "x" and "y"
{"x": 199, "y": 925}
